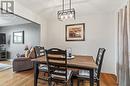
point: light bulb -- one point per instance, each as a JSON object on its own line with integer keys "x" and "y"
{"x": 70, "y": 15}
{"x": 66, "y": 16}
{"x": 61, "y": 16}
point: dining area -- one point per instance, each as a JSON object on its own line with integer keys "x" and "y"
{"x": 73, "y": 43}
{"x": 60, "y": 67}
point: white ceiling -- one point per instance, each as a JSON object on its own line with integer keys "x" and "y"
{"x": 9, "y": 19}
{"x": 49, "y": 8}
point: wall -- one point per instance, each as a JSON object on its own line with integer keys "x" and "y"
{"x": 92, "y": 26}
{"x": 26, "y": 13}
{"x": 43, "y": 31}
{"x": 99, "y": 32}
{"x": 31, "y": 37}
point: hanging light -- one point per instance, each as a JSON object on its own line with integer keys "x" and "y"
{"x": 66, "y": 14}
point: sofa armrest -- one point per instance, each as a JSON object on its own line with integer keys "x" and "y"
{"x": 22, "y": 55}
{"x": 21, "y": 59}
{"x": 20, "y": 64}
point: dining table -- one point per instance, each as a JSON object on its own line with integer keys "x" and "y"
{"x": 83, "y": 62}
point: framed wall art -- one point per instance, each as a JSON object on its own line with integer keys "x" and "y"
{"x": 75, "y": 32}
{"x": 18, "y": 37}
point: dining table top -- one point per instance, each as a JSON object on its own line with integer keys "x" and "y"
{"x": 79, "y": 61}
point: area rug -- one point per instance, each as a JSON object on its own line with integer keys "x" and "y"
{"x": 4, "y": 67}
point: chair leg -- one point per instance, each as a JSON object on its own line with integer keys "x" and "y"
{"x": 98, "y": 83}
{"x": 49, "y": 82}
{"x": 65, "y": 84}
{"x": 71, "y": 82}
{"x": 54, "y": 84}
{"x": 82, "y": 82}
{"x": 44, "y": 74}
{"x": 78, "y": 82}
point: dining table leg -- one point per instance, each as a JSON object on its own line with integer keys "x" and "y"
{"x": 92, "y": 77}
{"x": 36, "y": 72}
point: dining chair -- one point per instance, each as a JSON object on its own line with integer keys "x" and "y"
{"x": 57, "y": 67}
{"x": 39, "y": 52}
{"x": 85, "y": 75}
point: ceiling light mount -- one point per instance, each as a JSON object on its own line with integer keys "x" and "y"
{"x": 66, "y": 14}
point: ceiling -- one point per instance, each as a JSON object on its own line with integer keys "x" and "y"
{"x": 10, "y": 19}
{"x": 49, "y": 8}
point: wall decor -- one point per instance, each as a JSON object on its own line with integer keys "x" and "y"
{"x": 75, "y": 32}
{"x": 18, "y": 37}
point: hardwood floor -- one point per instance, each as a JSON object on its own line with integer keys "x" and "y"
{"x": 25, "y": 78}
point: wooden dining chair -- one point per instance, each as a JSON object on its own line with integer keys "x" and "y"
{"x": 84, "y": 74}
{"x": 39, "y": 52}
{"x": 57, "y": 67}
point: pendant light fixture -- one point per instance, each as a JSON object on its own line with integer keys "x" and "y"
{"x": 66, "y": 14}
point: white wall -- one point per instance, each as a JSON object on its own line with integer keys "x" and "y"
{"x": 99, "y": 32}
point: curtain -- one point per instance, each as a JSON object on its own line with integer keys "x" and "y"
{"x": 123, "y": 46}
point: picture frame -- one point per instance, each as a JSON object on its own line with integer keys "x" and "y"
{"x": 75, "y": 32}
{"x": 18, "y": 37}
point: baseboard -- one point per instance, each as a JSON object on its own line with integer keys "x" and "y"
{"x": 10, "y": 60}
{"x": 113, "y": 75}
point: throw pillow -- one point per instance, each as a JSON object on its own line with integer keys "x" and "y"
{"x": 31, "y": 54}
{"x": 27, "y": 53}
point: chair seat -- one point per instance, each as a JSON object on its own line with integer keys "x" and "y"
{"x": 43, "y": 68}
{"x": 85, "y": 74}
{"x": 69, "y": 74}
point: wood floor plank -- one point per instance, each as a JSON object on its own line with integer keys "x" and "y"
{"x": 25, "y": 78}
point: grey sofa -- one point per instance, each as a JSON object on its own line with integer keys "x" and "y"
{"x": 22, "y": 63}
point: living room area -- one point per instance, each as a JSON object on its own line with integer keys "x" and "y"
{"x": 16, "y": 40}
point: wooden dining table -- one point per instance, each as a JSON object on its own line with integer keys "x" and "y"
{"x": 78, "y": 62}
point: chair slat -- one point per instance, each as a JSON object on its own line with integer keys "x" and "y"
{"x": 57, "y": 68}
{"x": 56, "y": 58}
{"x": 39, "y": 51}
{"x": 59, "y": 73}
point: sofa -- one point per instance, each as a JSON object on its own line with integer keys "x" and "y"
{"x": 22, "y": 63}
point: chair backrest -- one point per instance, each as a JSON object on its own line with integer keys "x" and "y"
{"x": 39, "y": 51}
{"x": 99, "y": 60}
{"x": 57, "y": 63}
